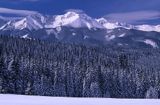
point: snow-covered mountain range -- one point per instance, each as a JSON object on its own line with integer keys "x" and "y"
{"x": 71, "y": 19}
{"x": 78, "y": 27}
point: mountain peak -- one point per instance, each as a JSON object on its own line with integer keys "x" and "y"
{"x": 74, "y": 19}
{"x": 113, "y": 25}
{"x": 31, "y": 22}
{"x": 107, "y": 24}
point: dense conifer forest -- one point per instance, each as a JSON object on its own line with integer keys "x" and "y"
{"x": 34, "y": 67}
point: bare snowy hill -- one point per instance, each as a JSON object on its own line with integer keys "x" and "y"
{"x": 38, "y": 100}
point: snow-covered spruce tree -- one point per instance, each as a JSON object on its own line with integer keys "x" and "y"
{"x": 59, "y": 83}
{"x": 18, "y": 78}
{"x": 152, "y": 93}
{"x": 28, "y": 89}
{"x": 2, "y": 69}
{"x": 95, "y": 90}
{"x": 1, "y": 82}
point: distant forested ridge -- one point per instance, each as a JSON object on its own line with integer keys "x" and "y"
{"x": 34, "y": 67}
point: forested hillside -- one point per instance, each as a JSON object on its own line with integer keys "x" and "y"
{"x": 35, "y": 67}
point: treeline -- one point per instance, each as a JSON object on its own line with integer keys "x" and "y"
{"x": 34, "y": 67}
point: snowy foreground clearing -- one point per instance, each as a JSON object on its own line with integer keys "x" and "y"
{"x": 38, "y": 100}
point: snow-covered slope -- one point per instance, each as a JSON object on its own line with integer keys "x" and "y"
{"x": 30, "y": 23}
{"x": 148, "y": 28}
{"x": 38, "y": 100}
{"x": 7, "y": 26}
{"x": 107, "y": 24}
{"x": 113, "y": 25}
{"x": 151, "y": 42}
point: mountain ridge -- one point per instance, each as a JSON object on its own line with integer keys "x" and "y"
{"x": 78, "y": 27}
{"x": 79, "y": 19}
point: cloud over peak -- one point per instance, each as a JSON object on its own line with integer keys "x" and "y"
{"x": 134, "y": 17}
{"x": 16, "y": 12}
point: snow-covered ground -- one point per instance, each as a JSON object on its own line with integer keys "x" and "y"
{"x": 38, "y": 100}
